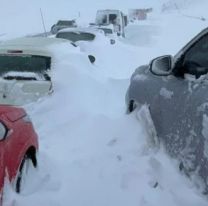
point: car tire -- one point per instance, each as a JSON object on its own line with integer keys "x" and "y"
{"x": 26, "y": 162}
{"x": 53, "y": 29}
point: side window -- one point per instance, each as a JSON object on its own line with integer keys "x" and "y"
{"x": 196, "y": 58}
{"x": 104, "y": 19}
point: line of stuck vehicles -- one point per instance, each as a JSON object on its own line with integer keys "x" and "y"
{"x": 26, "y": 67}
{"x": 172, "y": 88}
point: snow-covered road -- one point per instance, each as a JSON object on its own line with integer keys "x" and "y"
{"x": 91, "y": 152}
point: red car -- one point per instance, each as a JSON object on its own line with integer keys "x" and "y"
{"x": 18, "y": 145}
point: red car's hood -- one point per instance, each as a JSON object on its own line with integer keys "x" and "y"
{"x": 12, "y": 113}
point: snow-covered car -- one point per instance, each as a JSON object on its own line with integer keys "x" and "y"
{"x": 25, "y": 68}
{"x": 77, "y": 34}
{"x": 84, "y": 37}
{"x": 114, "y": 17}
{"x": 18, "y": 146}
{"x": 175, "y": 91}
{"x": 62, "y": 24}
{"x": 108, "y": 31}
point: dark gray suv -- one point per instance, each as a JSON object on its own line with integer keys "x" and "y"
{"x": 176, "y": 92}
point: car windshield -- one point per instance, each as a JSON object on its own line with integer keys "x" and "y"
{"x": 24, "y": 63}
{"x": 76, "y": 36}
{"x": 65, "y": 23}
{"x": 112, "y": 18}
{"x": 106, "y": 30}
{"x": 101, "y": 18}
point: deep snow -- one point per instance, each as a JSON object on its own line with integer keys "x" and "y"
{"x": 91, "y": 152}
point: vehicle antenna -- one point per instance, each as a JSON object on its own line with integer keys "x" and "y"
{"x": 41, "y": 13}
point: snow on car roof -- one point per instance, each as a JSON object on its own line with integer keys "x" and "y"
{"x": 30, "y": 45}
{"x": 108, "y": 11}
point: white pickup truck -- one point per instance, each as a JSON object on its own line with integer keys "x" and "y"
{"x": 25, "y": 69}
{"x": 114, "y": 17}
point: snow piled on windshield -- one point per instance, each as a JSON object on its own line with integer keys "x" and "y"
{"x": 91, "y": 152}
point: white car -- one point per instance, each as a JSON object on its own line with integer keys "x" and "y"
{"x": 81, "y": 36}
{"x": 108, "y": 31}
{"x": 25, "y": 68}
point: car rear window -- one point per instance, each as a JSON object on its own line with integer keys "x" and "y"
{"x": 24, "y": 63}
{"x": 66, "y": 23}
{"x": 76, "y": 36}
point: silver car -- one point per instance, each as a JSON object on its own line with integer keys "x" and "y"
{"x": 83, "y": 36}
{"x": 175, "y": 91}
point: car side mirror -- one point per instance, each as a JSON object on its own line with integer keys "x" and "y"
{"x": 161, "y": 66}
{"x": 3, "y": 131}
{"x": 91, "y": 58}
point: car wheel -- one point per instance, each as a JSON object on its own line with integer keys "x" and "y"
{"x": 21, "y": 177}
{"x": 54, "y": 29}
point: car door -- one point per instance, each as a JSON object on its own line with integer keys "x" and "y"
{"x": 182, "y": 121}
{"x": 194, "y": 155}
{"x": 197, "y": 141}
{"x": 167, "y": 98}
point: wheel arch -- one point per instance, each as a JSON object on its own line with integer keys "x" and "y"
{"x": 31, "y": 153}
